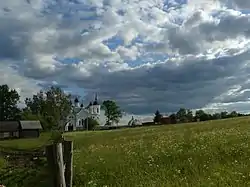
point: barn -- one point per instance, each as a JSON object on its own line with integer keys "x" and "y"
{"x": 20, "y": 129}
{"x": 30, "y": 129}
{"x": 9, "y": 129}
{"x": 165, "y": 120}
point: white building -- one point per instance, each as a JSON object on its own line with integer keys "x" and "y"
{"x": 77, "y": 119}
{"x": 79, "y": 114}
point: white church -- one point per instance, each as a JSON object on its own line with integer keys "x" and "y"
{"x": 77, "y": 119}
{"x": 79, "y": 114}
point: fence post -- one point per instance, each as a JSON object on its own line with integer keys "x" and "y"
{"x": 68, "y": 160}
{"x": 55, "y": 161}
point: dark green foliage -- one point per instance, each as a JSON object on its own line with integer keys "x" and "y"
{"x": 158, "y": 116}
{"x": 186, "y": 115}
{"x": 112, "y": 111}
{"x": 18, "y": 175}
{"x": 182, "y": 115}
{"x": 233, "y": 114}
{"x": 56, "y": 136}
{"x": 189, "y": 115}
{"x": 51, "y": 107}
{"x": 173, "y": 118}
{"x": 92, "y": 123}
{"x": 200, "y": 114}
{"x": 9, "y": 99}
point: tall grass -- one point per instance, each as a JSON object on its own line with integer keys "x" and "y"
{"x": 26, "y": 144}
{"x": 213, "y": 153}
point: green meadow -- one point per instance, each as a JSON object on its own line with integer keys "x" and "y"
{"x": 212, "y": 153}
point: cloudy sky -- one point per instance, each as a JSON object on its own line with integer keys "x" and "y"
{"x": 145, "y": 54}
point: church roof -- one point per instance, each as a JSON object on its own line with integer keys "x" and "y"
{"x": 96, "y": 101}
{"x": 76, "y": 100}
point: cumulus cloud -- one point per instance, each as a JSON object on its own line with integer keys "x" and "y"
{"x": 147, "y": 54}
{"x": 241, "y": 4}
{"x": 24, "y": 86}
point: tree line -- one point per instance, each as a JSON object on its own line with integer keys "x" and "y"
{"x": 50, "y": 106}
{"x": 186, "y": 115}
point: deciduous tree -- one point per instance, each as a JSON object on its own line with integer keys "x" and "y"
{"x": 189, "y": 115}
{"x": 112, "y": 111}
{"x": 53, "y": 105}
{"x": 181, "y": 115}
{"x": 92, "y": 123}
{"x": 9, "y": 99}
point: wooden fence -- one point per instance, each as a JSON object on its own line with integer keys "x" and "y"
{"x": 60, "y": 161}
{"x": 59, "y": 158}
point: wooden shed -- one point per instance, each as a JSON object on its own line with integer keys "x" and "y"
{"x": 30, "y": 129}
{"x": 20, "y": 129}
{"x": 9, "y": 129}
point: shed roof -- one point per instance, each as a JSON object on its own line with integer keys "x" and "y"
{"x": 30, "y": 125}
{"x": 9, "y": 126}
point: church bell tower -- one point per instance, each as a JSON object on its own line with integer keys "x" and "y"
{"x": 96, "y": 106}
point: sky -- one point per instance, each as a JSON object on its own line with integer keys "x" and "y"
{"x": 144, "y": 54}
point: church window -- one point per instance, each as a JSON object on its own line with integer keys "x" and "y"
{"x": 97, "y": 110}
{"x": 79, "y": 122}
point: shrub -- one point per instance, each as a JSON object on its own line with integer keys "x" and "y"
{"x": 2, "y": 163}
{"x": 92, "y": 123}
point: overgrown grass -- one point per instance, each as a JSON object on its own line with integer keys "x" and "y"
{"x": 2, "y": 163}
{"x": 26, "y": 144}
{"x": 213, "y": 153}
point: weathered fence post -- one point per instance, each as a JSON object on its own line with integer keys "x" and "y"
{"x": 54, "y": 154}
{"x": 68, "y": 160}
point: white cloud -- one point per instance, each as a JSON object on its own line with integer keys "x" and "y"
{"x": 25, "y": 86}
{"x": 196, "y": 50}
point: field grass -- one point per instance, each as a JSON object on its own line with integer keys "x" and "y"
{"x": 213, "y": 153}
{"x": 26, "y": 144}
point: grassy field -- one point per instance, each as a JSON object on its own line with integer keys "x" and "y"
{"x": 214, "y": 153}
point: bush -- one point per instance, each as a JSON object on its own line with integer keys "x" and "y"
{"x": 92, "y": 123}
{"x": 56, "y": 136}
{"x": 2, "y": 163}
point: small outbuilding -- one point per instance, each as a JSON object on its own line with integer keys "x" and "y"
{"x": 9, "y": 129}
{"x": 20, "y": 129}
{"x": 30, "y": 129}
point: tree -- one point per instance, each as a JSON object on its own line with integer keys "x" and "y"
{"x": 216, "y": 116}
{"x": 52, "y": 105}
{"x": 92, "y": 123}
{"x": 189, "y": 115}
{"x": 26, "y": 114}
{"x": 9, "y": 99}
{"x": 181, "y": 115}
{"x": 200, "y": 114}
{"x": 224, "y": 114}
{"x": 233, "y": 114}
{"x": 158, "y": 116}
{"x": 173, "y": 118}
{"x": 112, "y": 111}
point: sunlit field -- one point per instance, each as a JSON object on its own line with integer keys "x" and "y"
{"x": 214, "y": 153}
